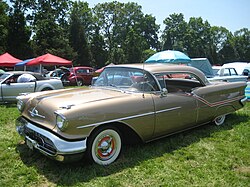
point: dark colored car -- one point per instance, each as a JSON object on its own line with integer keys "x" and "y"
{"x": 79, "y": 76}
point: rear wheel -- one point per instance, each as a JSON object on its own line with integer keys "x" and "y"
{"x": 46, "y": 89}
{"x": 104, "y": 146}
{"x": 220, "y": 120}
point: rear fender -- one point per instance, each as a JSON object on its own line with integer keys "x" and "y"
{"x": 219, "y": 92}
{"x": 44, "y": 86}
{"x": 222, "y": 110}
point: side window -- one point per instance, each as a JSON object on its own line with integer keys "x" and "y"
{"x": 26, "y": 78}
{"x": 233, "y": 71}
{"x": 11, "y": 79}
{"x": 178, "y": 82}
{"x": 81, "y": 71}
{"x": 226, "y": 72}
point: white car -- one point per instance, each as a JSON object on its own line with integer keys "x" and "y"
{"x": 227, "y": 74}
{"x": 14, "y": 83}
{"x": 238, "y": 66}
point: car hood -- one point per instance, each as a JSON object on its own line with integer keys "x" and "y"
{"x": 41, "y": 108}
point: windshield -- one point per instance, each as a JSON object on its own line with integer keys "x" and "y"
{"x": 3, "y": 76}
{"x": 129, "y": 79}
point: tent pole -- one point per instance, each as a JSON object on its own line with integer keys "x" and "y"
{"x": 56, "y": 72}
{"x": 41, "y": 68}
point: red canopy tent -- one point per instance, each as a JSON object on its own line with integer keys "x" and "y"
{"x": 7, "y": 60}
{"x": 49, "y": 59}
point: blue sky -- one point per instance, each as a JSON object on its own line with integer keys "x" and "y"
{"x": 232, "y": 14}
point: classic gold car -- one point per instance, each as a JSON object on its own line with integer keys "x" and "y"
{"x": 126, "y": 103}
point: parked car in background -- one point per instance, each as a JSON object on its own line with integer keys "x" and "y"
{"x": 126, "y": 103}
{"x": 58, "y": 73}
{"x": 226, "y": 74}
{"x": 14, "y": 83}
{"x": 78, "y": 76}
{"x": 240, "y": 67}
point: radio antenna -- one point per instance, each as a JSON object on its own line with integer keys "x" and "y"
{"x": 143, "y": 79}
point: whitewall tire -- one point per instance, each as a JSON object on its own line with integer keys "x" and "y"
{"x": 105, "y": 146}
{"x": 220, "y": 120}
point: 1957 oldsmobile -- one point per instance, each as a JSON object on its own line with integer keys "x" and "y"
{"x": 127, "y": 102}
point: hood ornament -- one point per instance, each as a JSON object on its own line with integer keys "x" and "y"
{"x": 67, "y": 106}
{"x": 34, "y": 113}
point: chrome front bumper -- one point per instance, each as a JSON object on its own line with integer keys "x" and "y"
{"x": 46, "y": 142}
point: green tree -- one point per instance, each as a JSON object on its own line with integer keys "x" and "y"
{"x": 228, "y": 52}
{"x": 19, "y": 33}
{"x": 51, "y": 29}
{"x": 220, "y": 37}
{"x": 116, "y": 20}
{"x": 134, "y": 47}
{"x": 242, "y": 44}
{"x": 99, "y": 53}
{"x": 80, "y": 27}
{"x": 174, "y": 34}
{"x": 4, "y": 19}
{"x": 198, "y": 40}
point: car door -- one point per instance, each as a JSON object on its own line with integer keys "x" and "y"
{"x": 176, "y": 109}
{"x": 174, "y": 112}
{"x": 86, "y": 74}
{"x": 11, "y": 89}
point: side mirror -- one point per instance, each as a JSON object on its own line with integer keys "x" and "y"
{"x": 164, "y": 92}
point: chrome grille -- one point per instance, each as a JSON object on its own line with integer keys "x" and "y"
{"x": 43, "y": 142}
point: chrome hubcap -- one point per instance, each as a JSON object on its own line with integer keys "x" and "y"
{"x": 105, "y": 147}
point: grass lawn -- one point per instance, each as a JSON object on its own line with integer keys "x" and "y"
{"x": 206, "y": 156}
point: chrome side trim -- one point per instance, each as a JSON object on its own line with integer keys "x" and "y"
{"x": 118, "y": 119}
{"x": 167, "y": 110}
{"x": 63, "y": 147}
{"x": 128, "y": 117}
{"x": 226, "y": 101}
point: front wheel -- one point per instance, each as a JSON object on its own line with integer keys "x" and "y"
{"x": 79, "y": 82}
{"x": 220, "y": 120}
{"x": 104, "y": 146}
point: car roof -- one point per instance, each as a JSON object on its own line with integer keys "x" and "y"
{"x": 164, "y": 67}
{"x": 37, "y": 75}
{"x": 239, "y": 66}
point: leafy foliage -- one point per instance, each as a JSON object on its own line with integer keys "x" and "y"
{"x": 110, "y": 32}
{"x": 198, "y": 38}
{"x": 3, "y": 26}
{"x": 19, "y": 33}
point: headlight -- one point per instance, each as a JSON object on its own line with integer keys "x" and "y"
{"x": 61, "y": 122}
{"x": 20, "y": 105}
